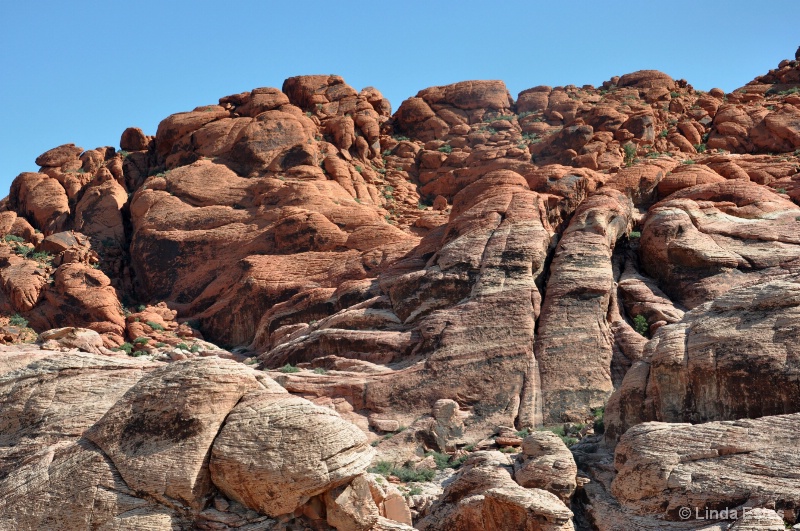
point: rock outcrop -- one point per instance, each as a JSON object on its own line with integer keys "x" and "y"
{"x": 240, "y": 314}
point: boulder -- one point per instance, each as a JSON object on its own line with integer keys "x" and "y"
{"x": 276, "y": 451}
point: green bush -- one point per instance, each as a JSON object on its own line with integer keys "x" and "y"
{"x": 22, "y": 250}
{"x": 674, "y": 94}
{"x": 634, "y": 234}
{"x": 155, "y": 326}
{"x": 320, "y": 370}
{"x": 405, "y": 473}
{"x": 141, "y": 340}
{"x": 289, "y": 368}
{"x": 640, "y": 325}
{"x": 384, "y": 468}
{"x": 127, "y": 348}
{"x": 688, "y": 161}
{"x": 141, "y": 308}
{"x": 447, "y": 148}
{"x": 599, "y": 419}
{"x": 413, "y": 491}
{"x": 630, "y": 153}
{"x": 524, "y": 433}
{"x": 182, "y": 346}
{"x": 138, "y": 353}
{"x": 195, "y": 348}
{"x": 18, "y": 320}
{"x": 409, "y": 475}
{"x": 701, "y": 148}
{"x": 12, "y": 238}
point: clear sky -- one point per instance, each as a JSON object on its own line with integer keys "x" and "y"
{"x": 83, "y": 71}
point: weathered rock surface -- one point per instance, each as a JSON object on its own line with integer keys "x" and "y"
{"x": 484, "y": 496}
{"x": 546, "y": 463}
{"x": 160, "y": 433}
{"x": 295, "y": 451}
{"x": 573, "y": 347}
{"x": 732, "y": 358}
{"x": 664, "y": 467}
{"x": 706, "y": 239}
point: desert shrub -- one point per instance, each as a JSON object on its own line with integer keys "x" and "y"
{"x": 127, "y": 348}
{"x": 599, "y": 419}
{"x": 289, "y": 368}
{"x": 630, "y": 153}
{"x": 18, "y": 320}
{"x": 155, "y": 326}
{"x": 640, "y": 325}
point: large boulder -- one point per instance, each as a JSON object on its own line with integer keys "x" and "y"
{"x": 159, "y": 435}
{"x": 276, "y": 451}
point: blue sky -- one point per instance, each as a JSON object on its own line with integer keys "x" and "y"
{"x": 84, "y": 71}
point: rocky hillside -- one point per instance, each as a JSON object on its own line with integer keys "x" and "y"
{"x": 574, "y": 309}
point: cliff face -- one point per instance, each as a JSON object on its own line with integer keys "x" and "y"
{"x": 504, "y": 260}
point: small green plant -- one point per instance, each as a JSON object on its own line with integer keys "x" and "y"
{"x": 387, "y": 152}
{"x": 673, "y": 94}
{"x": 320, "y": 370}
{"x": 18, "y": 320}
{"x": 161, "y": 344}
{"x": 653, "y": 155}
{"x": 630, "y": 153}
{"x": 138, "y": 353}
{"x": 127, "y": 348}
{"x": 22, "y": 250}
{"x": 413, "y": 491}
{"x": 781, "y": 190}
{"x": 359, "y": 169}
{"x": 688, "y": 161}
{"x": 640, "y": 325}
{"x": 701, "y": 148}
{"x": 405, "y": 473}
{"x": 446, "y": 148}
{"x": 409, "y": 475}
{"x": 155, "y": 326}
{"x": 508, "y": 450}
{"x": 524, "y": 433}
{"x": 194, "y": 348}
{"x": 182, "y": 346}
{"x": 469, "y": 447}
{"x": 401, "y": 138}
{"x": 141, "y": 308}
{"x": 634, "y": 234}
{"x": 141, "y": 340}
{"x": 384, "y": 468}
{"x": 289, "y": 368}
{"x": 12, "y": 238}
{"x": 599, "y": 419}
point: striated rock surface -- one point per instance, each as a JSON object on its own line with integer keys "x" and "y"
{"x": 663, "y": 467}
{"x": 484, "y": 496}
{"x": 574, "y": 341}
{"x": 732, "y": 358}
